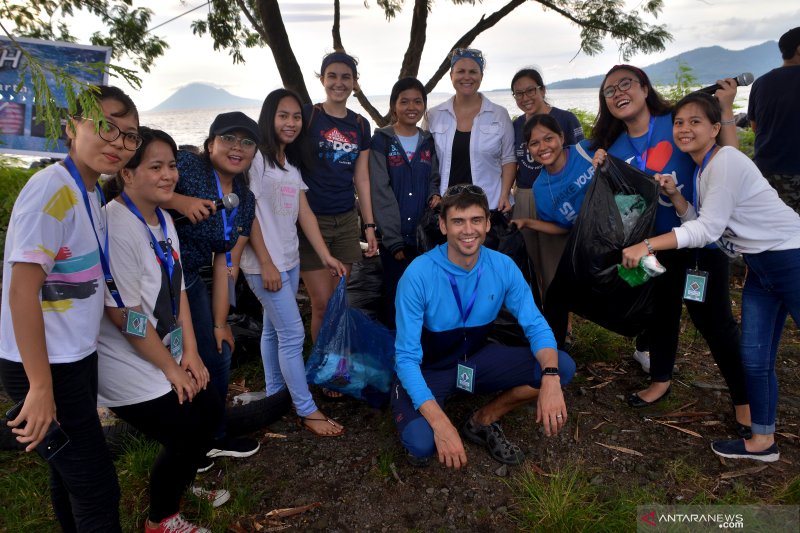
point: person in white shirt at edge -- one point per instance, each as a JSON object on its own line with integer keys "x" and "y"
{"x": 474, "y": 137}
{"x": 151, "y": 374}
{"x": 736, "y": 207}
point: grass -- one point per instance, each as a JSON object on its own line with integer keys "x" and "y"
{"x": 12, "y": 179}
{"x": 595, "y": 343}
{"x": 568, "y": 502}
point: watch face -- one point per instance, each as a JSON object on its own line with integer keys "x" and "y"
{"x": 550, "y": 371}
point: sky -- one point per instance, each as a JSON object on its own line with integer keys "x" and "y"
{"x": 529, "y": 36}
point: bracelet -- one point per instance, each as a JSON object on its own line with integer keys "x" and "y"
{"x": 220, "y": 327}
{"x": 649, "y": 246}
{"x": 729, "y": 122}
{"x": 367, "y": 226}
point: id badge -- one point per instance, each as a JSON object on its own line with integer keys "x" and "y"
{"x": 465, "y": 378}
{"x": 136, "y": 324}
{"x": 176, "y": 342}
{"x": 695, "y": 288}
{"x": 231, "y": 291}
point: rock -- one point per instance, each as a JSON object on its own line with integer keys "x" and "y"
{"x": 502, "y": 471}
{"x": 430, "y": 490}
{"x": 502, "y": 509}
{"x": 445, "y": 491}
{"x": 596, "y": 480}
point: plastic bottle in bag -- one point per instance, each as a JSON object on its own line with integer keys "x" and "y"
{"x": 648, "y": 267}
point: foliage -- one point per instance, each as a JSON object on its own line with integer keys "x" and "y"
{"x": 12, "y": 179}
{"x": 685, "y": 82}
{"x": 586, "y": 118}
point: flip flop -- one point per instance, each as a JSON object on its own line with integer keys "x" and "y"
{"x": 302, "y": 422}
{"x": 331, "y": 395}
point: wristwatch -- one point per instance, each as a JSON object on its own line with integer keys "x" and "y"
{"x": 367, "y": 226}
{"x": 550, "y": 371}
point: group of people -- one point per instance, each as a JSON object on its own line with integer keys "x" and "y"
{"x": 103, "y": 302}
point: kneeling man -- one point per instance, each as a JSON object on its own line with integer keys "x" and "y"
{"x": 446, "y": 303}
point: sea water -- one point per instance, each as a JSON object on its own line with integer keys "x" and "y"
{"x": 191, "y": 126}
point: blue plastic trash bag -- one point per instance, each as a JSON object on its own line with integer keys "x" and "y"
{"x": 353, "y": 354}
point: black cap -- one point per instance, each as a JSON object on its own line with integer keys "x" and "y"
{"x": 789, "y": 42}
{"x": 235, "y": 120}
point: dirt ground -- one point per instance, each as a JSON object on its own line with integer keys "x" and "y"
{"x": 362, "y": 481}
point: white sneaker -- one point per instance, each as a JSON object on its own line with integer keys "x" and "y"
{"x": 643, "y": 358}
{"x": 216, "y": 497}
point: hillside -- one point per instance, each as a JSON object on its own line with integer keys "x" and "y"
{"x": 708, "y": 65}
{"x": 204, "y": 96}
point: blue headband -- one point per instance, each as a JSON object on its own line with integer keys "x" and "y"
{"x": 338, "y": 57}
{"x": 468, "y": 53}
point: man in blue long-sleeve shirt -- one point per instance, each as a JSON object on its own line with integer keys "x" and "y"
{"x": 446, "y": 302}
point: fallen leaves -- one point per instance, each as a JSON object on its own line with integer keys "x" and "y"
{"x": 620, "y": 449}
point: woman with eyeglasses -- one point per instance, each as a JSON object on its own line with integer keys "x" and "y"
{"x": 635, "y": 125}
{"x": 474, "y": 137}
{"x": 216, "y": 238}
{"x": 530, "y": 93}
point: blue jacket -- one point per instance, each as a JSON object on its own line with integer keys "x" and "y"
{"x": 401, "y": 188}
{"x": 429, "y": 325}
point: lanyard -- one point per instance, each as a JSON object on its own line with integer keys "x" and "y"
{"x": 641, "y": 161}
{"x": 227, "y": 221}
{"x": 471, "y": 303}
{"x": 697, "y": 171}
{"x": 165, "y": 257}
{"x": 104, "y": 254}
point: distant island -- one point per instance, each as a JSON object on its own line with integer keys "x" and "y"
{"x": 203, "y": 96}
{"x": 708, "y": 65}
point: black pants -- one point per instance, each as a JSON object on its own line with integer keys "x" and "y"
{"x": 83, "y": 482}
{"x": 186, "y": 433}
{"x": 392, "y": 272}
{"x": 712, "y": 318}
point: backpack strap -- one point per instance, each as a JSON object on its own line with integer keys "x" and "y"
{"x": 582, "y": 152}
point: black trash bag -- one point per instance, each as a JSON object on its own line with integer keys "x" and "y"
{"x": 595, "y": 246}
{"x": 364, "y": 289}
{"x": 428, "y": 233}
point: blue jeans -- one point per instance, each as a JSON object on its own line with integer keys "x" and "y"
{"x": 771, "y": 292}
{"x": 218, "y": 364}
{"x": 83, "y": 482}
{"x": 282, "y": 340}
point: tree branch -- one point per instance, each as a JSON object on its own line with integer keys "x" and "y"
{"x": 335, "y": 29}
{"x": 483, "y": 24}
{"x": 254, "y": 22}
{"x": 282, "y": 53}
{"x": 416, "y": 39}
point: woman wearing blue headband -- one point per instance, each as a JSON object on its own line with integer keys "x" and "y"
{"x": 339, "y": 142}
{"x": 474, "y": 137}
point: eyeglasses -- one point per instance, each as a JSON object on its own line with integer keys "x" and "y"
{"x": 623, "y": 85}
{"x": 530, "y": 92}
{"x": 110, "y": 132}
{"x": 462, "y": 189}
{"x": 245, "y": 143}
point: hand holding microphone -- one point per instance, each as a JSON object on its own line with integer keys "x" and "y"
{"x": 745, "y": 78}
{"x": 196, "y": 213}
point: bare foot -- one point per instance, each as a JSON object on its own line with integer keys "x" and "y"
{"x": 655, "y": 391}
{"x": 322, "y": 426}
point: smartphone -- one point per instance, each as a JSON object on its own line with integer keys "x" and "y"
{"x": 53, "y": 442}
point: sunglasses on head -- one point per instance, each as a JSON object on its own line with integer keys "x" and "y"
{"x": 462, "y": 189}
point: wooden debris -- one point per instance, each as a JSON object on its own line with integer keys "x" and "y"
{"x": 395, "y": 474}
{"x": 538, "y": 470}
{"x": 291, "y": 511}
{"x": 683, "y": 414}
{"x": 620, "y": 449}
{"x": 790, "y": 436}
{"x": 710, "y": 423}
{"x": 598, "y": 425}
{"x": 745, "y": 472}
{"x": 577, "y": 427}
{"x": 687, "y": 405}
{"x": 269, "y": 435}
{"x": 601, "y": 385}
{"x": 687, "y": 431}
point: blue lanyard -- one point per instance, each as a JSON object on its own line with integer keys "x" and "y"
{"x": 165, "y": 257}
{"x": 227, "y": 221}
{"x": 104, "y": 254}
{"x": 641, "y": 161}
{"x": 471, "y": 303}
{"x": 696, "y": 181}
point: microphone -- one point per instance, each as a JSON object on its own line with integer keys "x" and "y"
{"x": 745, "y": 78}
{"x": 229, "y": 201}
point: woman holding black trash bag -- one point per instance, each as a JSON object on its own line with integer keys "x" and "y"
{"x": 634, "y": 124}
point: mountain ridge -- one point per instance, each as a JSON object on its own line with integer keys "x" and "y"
{"x": 198, "y": 95}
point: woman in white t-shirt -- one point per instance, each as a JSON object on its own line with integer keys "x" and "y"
{"x": 735, "y": 207}
{"x": 271, "y": 261}
{"x": 150, "y": 373}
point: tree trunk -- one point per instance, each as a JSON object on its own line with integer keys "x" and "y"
{"x": 285, "y": 60}
{"x": 416, "y": 40}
